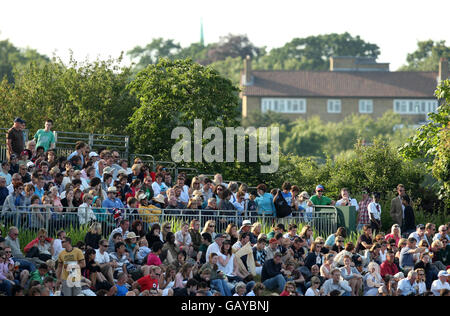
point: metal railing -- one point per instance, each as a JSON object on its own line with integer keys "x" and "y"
{"x": 65, "y": 142}
{"x": 53, "y": 219}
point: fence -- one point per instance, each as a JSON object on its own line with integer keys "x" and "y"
{"x": 79, "y": 218}
{"x": 65, "y": 142}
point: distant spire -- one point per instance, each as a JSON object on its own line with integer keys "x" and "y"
{"x": 202, "y": 39}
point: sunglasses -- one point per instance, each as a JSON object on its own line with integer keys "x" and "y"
{"x": 212, "y": 225}
{"x": 319, "y": 190}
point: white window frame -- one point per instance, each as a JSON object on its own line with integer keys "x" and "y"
{"x": 415, "y": 106}
{"x": 283, "y": 105}
{"x": 365, "y": 106}
{"x": 334, "y": 106}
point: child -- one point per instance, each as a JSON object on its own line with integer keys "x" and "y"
{"x": 289, "y": 289}
{"x": 143, "y": 250}
{"x": 240, "y": 289}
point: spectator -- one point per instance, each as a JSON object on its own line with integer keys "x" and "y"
{"x": 315, "y": 257}
{"x": 375, "y": 212}
{"x": 408, "y": 286}
{"x": 336, "y": 284}
{"x": 319, "y": 198}
{"x": 407, "y": 254}
{"x": 441, "y": 283}
{"x": 397, "y": 207}
{"x": 409, "y": 220}
{"x": 264, "y": 201}
{"x": 419, "y": 234}
{"x": 272, "y": 274}
{"x": 14, "y": 138}
{"x": 104, "y": 261}
{"x": 352, "y": 276}
{"x": 389, "y": 266}
{"x": 70, "y": 263}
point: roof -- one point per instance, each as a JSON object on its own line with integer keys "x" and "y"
{"x": 342, "y": 84}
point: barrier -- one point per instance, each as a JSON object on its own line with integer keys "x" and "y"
{"x": 31, "y": 219}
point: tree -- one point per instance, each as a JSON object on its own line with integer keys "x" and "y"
{"x": 432, "y": 142}
{"x": 12, "y": 57}
{"x": 83, "y": 97}
{"x": 173, "y": 94}
{"x": 314, "y": 52}
{"x": 426, "y": 57}
{"x": 152, "y": 52}
{"x": 232, "y": 46}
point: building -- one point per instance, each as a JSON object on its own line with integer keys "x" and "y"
{"x": 353, "y": 85}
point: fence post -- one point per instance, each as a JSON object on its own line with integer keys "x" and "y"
{"x": 91, "y": 140}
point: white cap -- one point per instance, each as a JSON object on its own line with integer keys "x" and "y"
{"x": 93, "y": 154}
{"x": 30, "y": 164}
{"x": 443, "y": 273}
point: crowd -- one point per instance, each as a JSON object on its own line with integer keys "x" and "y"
{"x": 129, "y": 252}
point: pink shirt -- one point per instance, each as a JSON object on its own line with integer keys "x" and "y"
{"x": 387, "y": 237}
{"x": 153, "y": 260}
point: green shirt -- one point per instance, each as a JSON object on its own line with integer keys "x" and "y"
{"x": 323, "y": 201}
{"x": 44, "y": 139}
{"x": 35, "y": 276}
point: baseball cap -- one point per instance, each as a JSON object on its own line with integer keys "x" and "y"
{"x": 218, "y": 236}
{"x": 247, "y": 223}
{"x": 30, "y": 164}
{"x": 420, "y": 226}
{"x": 13, "y": 156}
{"x": 108, "y": 170}
{"x": 93, "y": 154}
{"x": 19, "y": 120}
{"x": 320, "y": 187}
{"x": 443, "y": 273}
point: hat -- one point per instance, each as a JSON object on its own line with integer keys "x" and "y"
{"x": 399, "y": 275}
{"x": 443, "y": 273}
{"x": 320, "y": 187}
{"x": 420, "y": 226}
{"x": 247, "y": 223}
{"x": 218, "y": 236}
{"x": 108, "y": 170}
{"x": 142, "y": 197}
{"x": 12, "y": 156}
{"x": 159, "y": 198}
{"x": 112, "y": 190}
{"x": 30, "y": 164}
{"x": 305, "y": 195}
{"x": 131, "y": 235}
{"x": 93, "y": 154}
{"x": 24, "y": 153}
{"x": 273, "y": 241}
{"x": 122, "y": 171}
{"x": 19, "y": 120}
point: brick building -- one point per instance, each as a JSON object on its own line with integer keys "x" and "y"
{"x": 353, "y": 85}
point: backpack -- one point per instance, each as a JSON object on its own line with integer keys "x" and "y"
{"x": 281, "y": 206}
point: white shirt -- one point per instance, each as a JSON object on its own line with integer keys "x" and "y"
{"x": 310, "y": 292}
{"x": 57, "y": 248}
{"x": 353, "y": 202}
{"x": 373, "y": 209}
{"x": 229, "y": 268}
{"x": 7, "y": 177}
{"x": 437, "y": 286}
{"x": 213, "y": 248}
{"x": 101, "y": 258}
{"x": 184, "y": 196}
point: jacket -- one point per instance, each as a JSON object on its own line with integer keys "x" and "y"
{"x": 34, "y": 242}
{"x": 265, "y": 205}
{"x": 397, "y": 210}
{"x": 10, "y": 204}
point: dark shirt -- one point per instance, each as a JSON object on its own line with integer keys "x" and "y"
{"x": 410, "y": 221}
{"x": 270, "y": 269}
{"x": 92, "y": 240}
{"x": 3, "y": 195}
{"x": 17, "y": 140}
{"x": 363, "y": 238}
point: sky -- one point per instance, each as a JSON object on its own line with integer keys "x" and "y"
{"x": 99, "y": 28}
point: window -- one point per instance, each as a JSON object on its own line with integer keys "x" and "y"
{"x": 365, "y": 106}
{"x": 280, "y": 105}
{"x": 415, "y": 106}
{"x": 334, "y": 106}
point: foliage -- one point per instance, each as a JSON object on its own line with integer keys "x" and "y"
{"x": 12, "y": 57}
{"x": 432, "y": 142}
{"x": 174, "y": 94}
{"x": 426, "y": 57}
{"x": 85, "y": 97}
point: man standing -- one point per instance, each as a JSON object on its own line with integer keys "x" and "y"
{"x": 397, "y": 207}
{"x": 44, "y": 137}
{"x": 319, "y": 198}
{"x": 363, "y": 213}
{"x": 70, "y": 262}
{"x": 15, "y": 142}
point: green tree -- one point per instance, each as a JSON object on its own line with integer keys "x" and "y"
{"x": 12, "y": 57}
{"x": 426, "y": 56}
{"x": 152, "y": 52}
{"x": 84, "y": 97}
{"x": 314, "y": 52}
{"x": 431, "y": 142}
{"x": 173, "y": 94}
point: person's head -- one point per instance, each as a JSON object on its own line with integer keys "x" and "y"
{"x": 320, "y": 190}
{"x": 66, "y": 243}
{"x": 258, "y": 289}
{"x": 261, "y": 243}
{"x": 315, "y": 282}
{"x": 292, "y": 228}
{"x": 376, "y": 196}
{"x": 261, "y": 189}
{"x": 306, "y": 232}
{"x": 120, "y": 248}
{"x": 347, "y": 260}
{"x": 367, "y": 230}
{"x": 336, "y": 275}
{"x": 117, "y": 237}
{"x": 430, "y": 229}
{"x": 13, "y": 233}
{"x": 349, "y": 246}
{"x": 277, "y": 258}
{"x": 290, "y": 287}
{"x": 425, "y": 257}
{"x": 443, "y": 275}
{"x": 401, "y": 189}
{"x": 210, "y": 226}
{"x": 345, "y": 193}
{"x": 412, "y": 276}
{"x": 420, "y": 229}
{"x": 191, "y": 285}
{"x": 316, "y": 247}
{"x": 390, "y": 256}
{"x": 244, "y": 238}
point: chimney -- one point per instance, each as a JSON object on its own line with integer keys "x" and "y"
{"x": 247, "y": 78}
{"x": 443, "y": 69}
